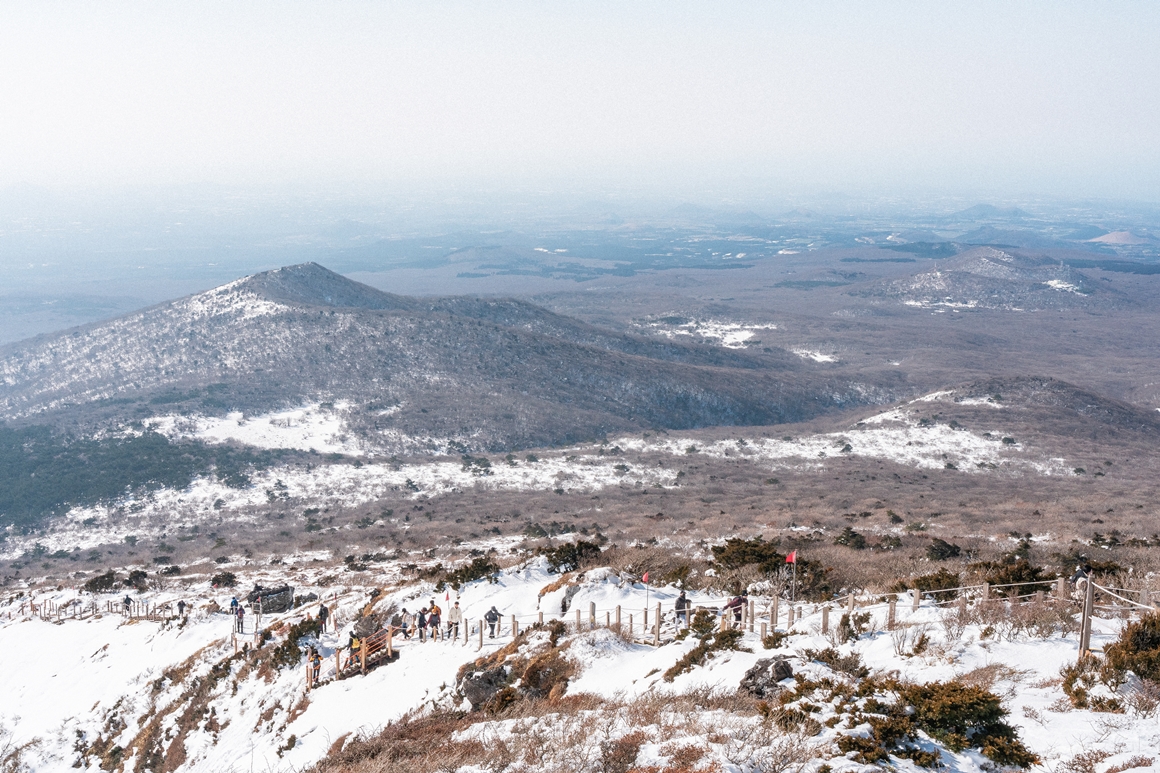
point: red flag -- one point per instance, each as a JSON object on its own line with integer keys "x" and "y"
{"x": 645, "y": 578}
{"x": 791, "y": 558}
{"x": 447, "y": 596}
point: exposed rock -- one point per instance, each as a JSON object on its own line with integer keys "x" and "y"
{"x": 479, "y": 687}
{"x": 763, "y": 679}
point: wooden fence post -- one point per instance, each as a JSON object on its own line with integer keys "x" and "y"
{"x": 618, "y": 617}
{"x": 630, "y": 631}
{"x": 986, "y": 591}
{"x": 825, "y": 620}
{"x": 1085, "y": 631}
{"x": 751, "y": 610}
{"x": 578, "y": 621}
{"x": 644, "y": 622}
{"x": 764, "y": 631}
{"x": 850, "y": 603}
{"x": 591, "y": 614}
{"x": 658, "y": 625}
{"x": 1061, "y": 588}
{"x": 724, "y": 619}
{"x": 607, "y": 619}
{"x": 515, "y": 627}
{"x": 773, "y": 613}
{"x": 916, "y": 601}
{"x": 890, "y": 615}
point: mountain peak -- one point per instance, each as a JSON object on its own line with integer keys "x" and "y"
{"x": 314, "y": 285}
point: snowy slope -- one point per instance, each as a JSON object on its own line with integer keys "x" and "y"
{"x": 109, "y": 679}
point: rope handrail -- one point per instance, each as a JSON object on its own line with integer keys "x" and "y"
{"x": 1121, "y": 598}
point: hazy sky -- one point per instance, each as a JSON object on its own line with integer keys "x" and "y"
{"x": 1054, "y": 97}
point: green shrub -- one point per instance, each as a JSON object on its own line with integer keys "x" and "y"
{"x": 570, "y": 556}
{"x": 774, "y": 640}
{"x": 847, "y": 664}
{"x": 102, "y": 583}
{"x": 1137, "y": 650}
{"x": 721, "y": 640}
{"x": 479, "y": 568}
{"x": 224, "y": 580}
{"x": 736, "y": 553}
{"x": 938, "y": 584}
{"x": 941, "y": 550}
{"x": 289, "y": 653}
{"x": 850, "y": 539}
{"x": 960, "y": 716}
{"x": 851, "y": 626}
{"x": 138, "y": 579}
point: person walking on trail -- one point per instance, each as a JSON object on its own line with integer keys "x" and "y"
{"x": 454, "y": 618}
{"x": 407, "y": 621}
{"x": 315, "y": 664}
{"x": 181, "y": 608}
{"x": 128, "y": 602}
{"x": 422, "y": 624}
{"x": 240, "y": 614}
{"x": 492, "y": 618}
{"x": 433, "y": 622}
{"x": 735, "y": 605}
{"x": 234, "y": 605}
{"x": 323, "y": 616}
{"x": 682, "y": 607}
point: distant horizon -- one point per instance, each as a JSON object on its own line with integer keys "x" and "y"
{"x": 898, "y": 99}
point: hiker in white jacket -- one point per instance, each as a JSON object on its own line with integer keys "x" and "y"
{"x": 454, "y": 618}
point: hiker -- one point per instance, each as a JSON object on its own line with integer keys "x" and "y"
{"x": 323, "y": 615}
{"x": 492, "y": 618}
{"x": 682, "y": 610}
{"x": 433, "y": 622}
{"x": 408, "y": 623}
{"x": 355, "y": 645}
{"x": 240, "y": 614}
{"x": 1080, "y": 580}
{"x": 736, "y": 604}
{"x": 181, "y": 608}
{"x": 422, "y": 624}
{"x": 454, "y": 618}
{"x": 315, "y": 663}
{"x": 234, "y": 605}
{"x": 128, "y": 604}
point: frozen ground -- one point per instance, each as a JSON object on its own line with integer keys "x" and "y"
{"x": 108, "y": 678}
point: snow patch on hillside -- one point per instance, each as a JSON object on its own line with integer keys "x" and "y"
{"x": 816, "y": 356}
{"x": 311, "y": 427}
{"x": 897, "y": 435}
{"x": 731, "y": 335}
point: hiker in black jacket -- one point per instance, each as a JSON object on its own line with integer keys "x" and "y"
{"x": 682, "y": 610}
{"x": 492, "y": 618}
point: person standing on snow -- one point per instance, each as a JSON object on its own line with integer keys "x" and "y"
{"x": 181, "y": 608}
{"x": 433, "y": 621}
{"x": 492, "y": 618}
{"x": 240, "y": 613}
{"x": 128, "y": 604}
{"x": 422, "y": 624}
{"x": 323, "y": 615}
{"x": 315, "y": 664}
{"x": 408, "y": 622}
{"x": 682, "y": 607}
{"x": 454, "y": 618}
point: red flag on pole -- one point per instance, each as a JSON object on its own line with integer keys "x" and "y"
{"x": 645, "y": 578}
{"x": 447, "y": 596}
{"x": 791, "y": 558}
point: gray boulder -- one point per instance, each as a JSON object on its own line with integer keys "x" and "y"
{"x": 763, "y": 679}
{"x": 479, "y": 686}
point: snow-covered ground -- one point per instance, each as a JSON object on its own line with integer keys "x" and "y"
{"x": 899, "y": 435}
{"x": 108, "y": 678}
{"x": 307, "y": 428}
{"x": 732, "y": 335}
